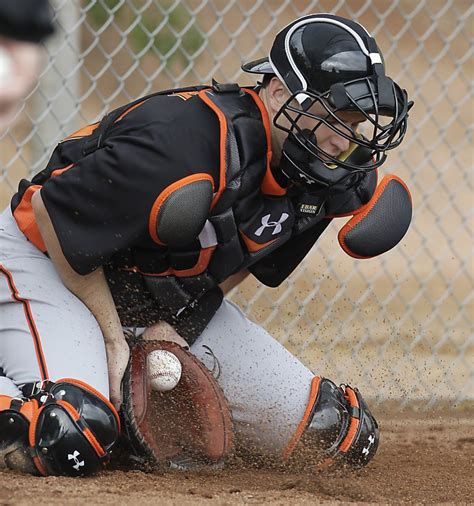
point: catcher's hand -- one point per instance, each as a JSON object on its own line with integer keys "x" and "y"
{"x": 184, "y": 427}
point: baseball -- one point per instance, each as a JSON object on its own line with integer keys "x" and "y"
{"x": 164, "y": 370}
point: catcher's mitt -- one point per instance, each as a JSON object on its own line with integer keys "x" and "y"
{"x": 188, "y": 426}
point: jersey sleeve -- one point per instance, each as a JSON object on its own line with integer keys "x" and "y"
{"x": 274, "y": 268}
{"x": 102, "y": 204}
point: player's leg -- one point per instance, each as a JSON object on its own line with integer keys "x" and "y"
{"x": 46, "y": 332}
{"x": 276, "y": 401}
{"x": 7, "y": 387}
{"x": 266, "y": 386}
{"x": 46, "y": 335}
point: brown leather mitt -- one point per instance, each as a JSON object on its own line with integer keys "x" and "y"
{"x": 185, "y": 427}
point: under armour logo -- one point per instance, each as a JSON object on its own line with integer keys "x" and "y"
{"x": 266, "y": 224}
{"x": 77, "y": 463}
{"x": 365, "y": 451}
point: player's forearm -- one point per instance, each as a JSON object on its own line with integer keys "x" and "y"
{"x": 92, "y": 289}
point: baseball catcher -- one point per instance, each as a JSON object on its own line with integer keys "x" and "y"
{"x": 141, "y": 222}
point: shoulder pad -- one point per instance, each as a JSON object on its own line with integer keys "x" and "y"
{"x": 381, "y": 223}
{"x": 225, "y": 87}
{"x": 180, "y": 211}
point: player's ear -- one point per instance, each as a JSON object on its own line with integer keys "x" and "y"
{"x": 277, "y": 94}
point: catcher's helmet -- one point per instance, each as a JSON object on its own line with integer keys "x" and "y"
{"x": 334, "y": 62}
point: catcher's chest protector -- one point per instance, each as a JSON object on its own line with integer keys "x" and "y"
{"x": 244, "y": 218}
{"x": 232, "y": 225}
{"x": 248, "y": 216}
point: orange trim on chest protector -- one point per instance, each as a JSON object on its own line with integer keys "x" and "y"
{"x": 269, "y": 185}
{"x": 253, "y": 246}
{"x": 222, "y": 144}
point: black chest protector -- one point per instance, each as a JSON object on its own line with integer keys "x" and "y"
{"x": 203, "y": 235}
{"x": 201, "y": 231}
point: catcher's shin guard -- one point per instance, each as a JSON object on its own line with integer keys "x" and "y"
{"x": 68, "y": 428}
{"x": 15, "y": 418}
{"x": 337, "y": 426}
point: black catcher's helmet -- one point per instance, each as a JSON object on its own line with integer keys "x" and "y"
{"x": 334, "y": 62}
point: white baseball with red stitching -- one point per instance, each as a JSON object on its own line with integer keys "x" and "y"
{"x": 164, "y": 370}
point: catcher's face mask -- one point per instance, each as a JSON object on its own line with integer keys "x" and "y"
{"x": 332, "y": 65}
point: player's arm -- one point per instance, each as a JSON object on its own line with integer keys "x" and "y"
{"x": 92, "y": 289}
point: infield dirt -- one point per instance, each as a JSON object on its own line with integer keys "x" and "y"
{"x": 423, "y": 458}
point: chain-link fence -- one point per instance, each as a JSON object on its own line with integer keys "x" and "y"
{"x": 398, "y": 326}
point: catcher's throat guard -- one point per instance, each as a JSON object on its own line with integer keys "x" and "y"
{"x": 184, "y": 428}
{"x": 337, "y": 425}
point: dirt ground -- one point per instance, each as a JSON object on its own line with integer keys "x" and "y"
{"x": 423, "y": 458}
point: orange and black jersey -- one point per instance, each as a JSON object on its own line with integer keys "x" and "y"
{"x": 104, "y": 203}
{"x": 101, "y": 203}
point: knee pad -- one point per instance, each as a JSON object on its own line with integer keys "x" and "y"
{"x": 67, "y": 429}
{"x": 337, "y": 426}
{"x": 74, "y": 430}
{"x": 15, "y": 419}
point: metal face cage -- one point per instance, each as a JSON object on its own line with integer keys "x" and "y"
{"x": 385, "y": 122}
